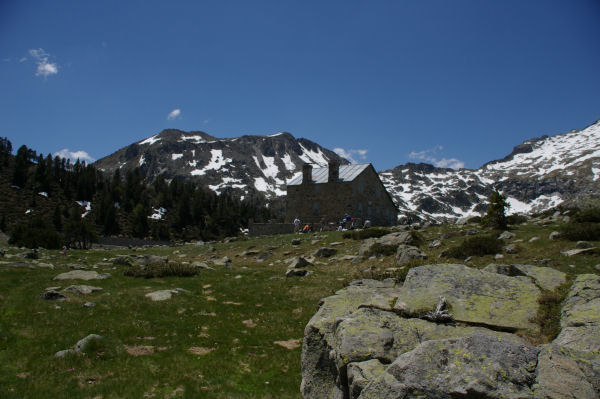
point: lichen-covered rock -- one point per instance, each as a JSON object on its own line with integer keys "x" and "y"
{"x": 320, "y": 378}
{"x": 82, "y": 275}
{"x": 299, "y": 262}
{"x": 567, "y": 373}
{"x": 474, "y": 296}
{"x": 478, "y": 366}
{"x": 580, "y": 318}
{"x": 388, "y": 242}
{"x": 406, "y": 253}
{"x": 325, "y": 252}
{"x": 82, "y": 344}
{"x": 546, "y": 278}
{"x": 506, "y": 235}
{"x": 360, "y": 374}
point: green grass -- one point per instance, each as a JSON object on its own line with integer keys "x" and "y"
{"x": 213, "y": 313}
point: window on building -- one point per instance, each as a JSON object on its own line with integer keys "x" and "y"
{"x": 315, "y": 208}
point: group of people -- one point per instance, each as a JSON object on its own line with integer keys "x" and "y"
{"x": 347, "y": 223}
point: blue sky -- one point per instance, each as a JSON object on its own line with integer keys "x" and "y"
{"x": 453, "y": 83}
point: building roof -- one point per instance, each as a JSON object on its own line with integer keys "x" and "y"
{"x": 321, "y": 175}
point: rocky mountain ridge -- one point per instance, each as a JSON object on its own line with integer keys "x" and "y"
{"x": 538, "y": 174}
{"x": 242, "y": 166}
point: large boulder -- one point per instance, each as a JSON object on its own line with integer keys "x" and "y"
{"x": 82, "y": 275}
{"x": 474, "y": 296}
{"x": 385, "y": 244}
{"x": 406, "y": 253}
{"x": 580, "y": 319}
{"x": 377, "y": 339}
{"x": 477, "y": 366}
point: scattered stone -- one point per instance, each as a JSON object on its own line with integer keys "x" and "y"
{"x": 510, "y": 249}
{"x": 224, "y": 261}
{"x": 249, "y": 323}
{"x": 315, "y": 242}
{"x": 197, "y": 350}
{"x": 597, "y": 267}
{"x": 139, "y": 350}
{"x": 296, "y": 241}
{"x": 64, "y": 353}
{"x": 81, "y": 345}
{"x": 468, "y": 259}
{"x": 583, "y": 245}
{"x": 555, "y": 235}
{"x": 297, "y": 273}
{"x": 202, "y": 265}
{"x": 324, "y": 252}
{"x": 435, "y": 244}
{"x": 265, "y": 255}
{"x": 532, "y": 239}
{"x": 391, "y": 241}
{"x": 162, "y": 295}
{"x": 499, "y": 256}
{"x": 54, "y": 296}
{"x": 289, "y": 344}
{"x": 507, "y": 235}
{"x": 82, "y": 289}
{"x": 336, "y": 243}
{"x": 45, "y": 265}
{"x": 122, "y": 260}
{"x": 299, "y": 262}
{"x": 89, "y": 304}
{"x": 406, "y": 253}
{"x": 82, "y": 275}
{"x": 574, "y": 252}
{"x": 472, "y": 232}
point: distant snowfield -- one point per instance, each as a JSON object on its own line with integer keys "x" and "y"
{"x": 195, "y": 139}
{"x": 150, "y": 140}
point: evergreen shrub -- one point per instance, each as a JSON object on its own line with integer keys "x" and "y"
{"x": 475, "y": 246}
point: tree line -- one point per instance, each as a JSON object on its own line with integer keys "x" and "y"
{"x": 121, "y": 204}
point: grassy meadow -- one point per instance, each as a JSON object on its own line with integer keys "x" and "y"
{"x": 230, "y": 333}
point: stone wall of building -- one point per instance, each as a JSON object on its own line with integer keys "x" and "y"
{"x": 267, "y": 229}
{"x": 364, "y": 197}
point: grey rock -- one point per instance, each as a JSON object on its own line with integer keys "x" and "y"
{"x": 89, "y": 304}
{"x": 406, "y": 253}
{"x": 297, "y": 273}
{"x": 573, "y": 252}
{"x": 566, "y": 373}
{"x": 81, "y": 275}
{"x": 201, "y": 265}
{"x": 371, "y": 246}
{"x": 336, "y": 243}
{"x": 532, "y": 239}
{"x": 583, "y": 244}
{"x": 81, "y": 345}
{"x": 510, "y": 249}
{"x": 580, "y": 315}
{"x": 54, "y": 296}
{"x": 478, "y": 366}
{"x": 82, "y": 289}
{"x": 64, "y": 353}
{"x": 555, "y": 235}
{"x": 360, "y": 374}
{"x": 299, "y": 263}
{"x": 475, "y": 296}
{"x": 296, "y": 241}
{"x": 506, "y": 235}
{"x": 324, "y": 252}
{"x": 546, "y": 278}
{"x": 472, "y": 232}
{"x": 435, "y": 244}
{"x": 224, "y": 261}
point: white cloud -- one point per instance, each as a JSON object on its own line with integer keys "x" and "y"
{"x": 351, "y": 154}
{"x": 74, "y": 155}
{"x": 431, "y": 156}
{"x": 45, "y": 68}
{"x": 174, "y": 114}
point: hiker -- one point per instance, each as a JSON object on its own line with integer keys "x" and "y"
{"x": 296, "y": 225}
{"x": 367, "y": 224}
{"x": 306, "y": 228}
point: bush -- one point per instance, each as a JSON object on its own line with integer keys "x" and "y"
{"x": 548, "y": 313}
{"x": 475, "y": 246}
{"x": 366, "y": 233}
{"x": 474, "y": 219}
{"x": 588, "y": 215}
{"x": 161, "y": 270}
{"x": 516, "y": 219}
{"x": 581, "y": 231}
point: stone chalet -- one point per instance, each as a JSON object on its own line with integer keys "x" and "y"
{"x": 324, "y": 195}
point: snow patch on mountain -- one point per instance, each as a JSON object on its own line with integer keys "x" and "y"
{"x": 216, "y": 162}
{"x": 176, "y": 156}
{"x": 150, "y": 140}
{"x": 314, "y": 157}
{"x": 195, "y": 139}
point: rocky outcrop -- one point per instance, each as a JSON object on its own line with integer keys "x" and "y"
{"x": 375, "y": 339}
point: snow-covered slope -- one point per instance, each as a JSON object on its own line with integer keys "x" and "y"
{"x": 539, "y": 174}
{"x": 242, "y": 166}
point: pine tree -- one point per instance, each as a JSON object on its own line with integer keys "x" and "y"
{"x": 496, "y": 213}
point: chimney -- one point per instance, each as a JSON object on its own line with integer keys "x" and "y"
{"x": 306, "y": 173}
{"x": 334, "y": 171}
